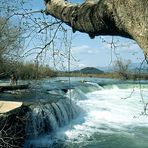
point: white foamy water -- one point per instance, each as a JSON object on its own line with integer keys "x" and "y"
{"x": 110, "y": 111}
{"x": 112, "y": 117}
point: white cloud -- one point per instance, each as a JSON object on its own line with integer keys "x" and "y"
{"x": 84, "y": 49}
{"x": 80, "y": 49}
{"x": 81, "y": 65}
{"x": 90, "y": 51}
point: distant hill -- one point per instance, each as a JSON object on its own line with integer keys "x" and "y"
{"x": 89, "y": 70}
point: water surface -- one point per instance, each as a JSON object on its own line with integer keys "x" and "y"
{"x": 112, "y": 113}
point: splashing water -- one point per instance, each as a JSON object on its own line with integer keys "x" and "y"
{"x": 112, "y": 118}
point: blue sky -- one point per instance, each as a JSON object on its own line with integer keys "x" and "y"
{"x": 98, "y": 52}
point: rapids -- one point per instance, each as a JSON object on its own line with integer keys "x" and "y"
{"x": 113, "y": 116}
{"x": 95, "y": 113}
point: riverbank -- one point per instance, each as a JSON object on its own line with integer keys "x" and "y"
{"x": 6, "y": 106}
{"x": 113, "y": 75}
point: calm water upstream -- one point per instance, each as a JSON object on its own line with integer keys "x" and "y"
{"x": 111, "y": 114}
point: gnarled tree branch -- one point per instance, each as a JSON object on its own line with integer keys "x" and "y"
{"x": 126, "y": 18}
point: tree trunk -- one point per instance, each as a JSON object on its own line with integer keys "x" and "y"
{"x": 126, "y": 18}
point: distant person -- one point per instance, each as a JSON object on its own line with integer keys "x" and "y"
{"x": 13, "y": 79}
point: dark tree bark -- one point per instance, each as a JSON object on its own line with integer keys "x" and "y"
{"x": 126, "y": 18}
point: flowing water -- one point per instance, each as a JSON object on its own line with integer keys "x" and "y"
{"x": 114, "y": 118}
{"x": 110, "y": 115}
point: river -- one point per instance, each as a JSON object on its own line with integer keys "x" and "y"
{"x": 111, "y": 114}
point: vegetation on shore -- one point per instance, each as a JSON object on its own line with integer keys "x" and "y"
{"x": 121, "y": 71}
{"x": 12, "y": 128}
{"x": 33, "y": 71}
{"x": 25, "y": 71}
{"x": 112, "y": 75}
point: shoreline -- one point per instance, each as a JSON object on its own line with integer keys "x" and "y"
{"x": 6, "y": 106}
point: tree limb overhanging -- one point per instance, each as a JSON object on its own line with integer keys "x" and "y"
{"x": 126, "y": 18}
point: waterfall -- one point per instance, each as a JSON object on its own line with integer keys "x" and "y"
{"x": 79, "y": 92}
{"x": 47, "y": 118}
